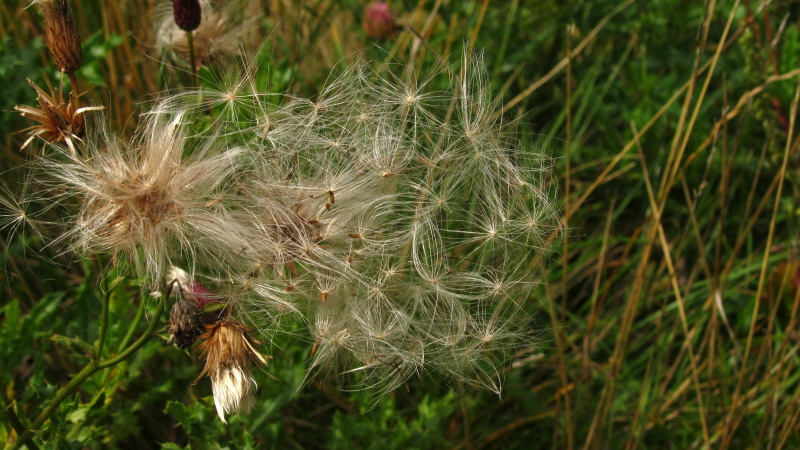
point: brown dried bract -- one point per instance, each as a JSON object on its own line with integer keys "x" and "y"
{"x": 59, "y": 120}
{"x": 185, "y": 323}
{"x": 230, "y": 351}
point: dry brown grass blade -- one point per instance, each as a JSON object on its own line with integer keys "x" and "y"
{"x": 731, "y": 422}
{"x": 667, "y": 252}
{"x": 563, "y": 63}
{"x": 565, "y": 276}
{"x": 601, "y": 260}
{"x": 743, "y": 100}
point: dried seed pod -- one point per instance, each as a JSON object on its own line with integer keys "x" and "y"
{"x": 187, "y": 14}
{"x": 61, "y": 35}
{"x": 230, "y": 351}
{"x": 185, "y": 324}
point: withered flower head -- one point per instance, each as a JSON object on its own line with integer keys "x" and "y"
{"x": 187, "y": 14}
{"x": 185, "y": 323}
{"x": 61, "y": 35}
{"x": 230, "y": 351}
{"x": 59, "y": 120}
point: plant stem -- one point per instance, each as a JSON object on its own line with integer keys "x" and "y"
{"x": 190, "y": 38}
{"x": 73, "y": 81}
{"x": 133, "y": 327}
{"x": 17, "y": 272}
{"x": 98, "y": 354}
{"x": 85, "y": 373}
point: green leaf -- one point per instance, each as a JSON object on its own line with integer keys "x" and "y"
{"x": 75, "y": 344}
{"x": 179, "y": 411}
{"x": 171, "y": 446}
{"x": 12, "y": 314}
{"x": 213, "y": 306}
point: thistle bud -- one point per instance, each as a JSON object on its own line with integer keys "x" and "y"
{"x": 185, "y": 324}
{"x": 61, "y": 35}
{"x": 379, "y": 21}
{"x": 230, "y": 351}
{"x": 187, "y": 14}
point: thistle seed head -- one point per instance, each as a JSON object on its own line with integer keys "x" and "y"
{"x": 61, "y": 35}
{"x": 230, "y": 352}
{"x": 144, "y": 200}
{"x": 406, "y": 243}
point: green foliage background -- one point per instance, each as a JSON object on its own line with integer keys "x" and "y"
{"x": 670, "y": 331}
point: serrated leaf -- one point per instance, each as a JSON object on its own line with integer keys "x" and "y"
{"x": 75, "y": 344}
{"x": 181, "y": 414}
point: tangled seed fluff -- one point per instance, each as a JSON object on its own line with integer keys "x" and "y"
{"x": 404, "y": 241}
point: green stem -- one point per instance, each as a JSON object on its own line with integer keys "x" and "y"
{"x": 17, "y": 272}
{"x": 133, "y": 327}
{"x": 85, "y": 373}
{"x": 98, "y": 354}
{"x": 190, "y": 38}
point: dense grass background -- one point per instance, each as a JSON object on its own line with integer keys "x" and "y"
{"x": 668, "y": 316}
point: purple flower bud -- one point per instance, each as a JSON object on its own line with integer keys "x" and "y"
{"x": 187, "y": 14}
{"x": 379, "y": 21}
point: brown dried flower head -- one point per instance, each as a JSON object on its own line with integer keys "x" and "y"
{"x": 185, "y": 323}
{"x": 188, "y": 317}
{"x": 59, "y": 120}
{"x": 230, "y": 351}
{"x": 61, "y": 35}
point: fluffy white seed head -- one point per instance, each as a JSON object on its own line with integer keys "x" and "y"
{"x": 404, "y": 241}
{"x": 150, "y": 200}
